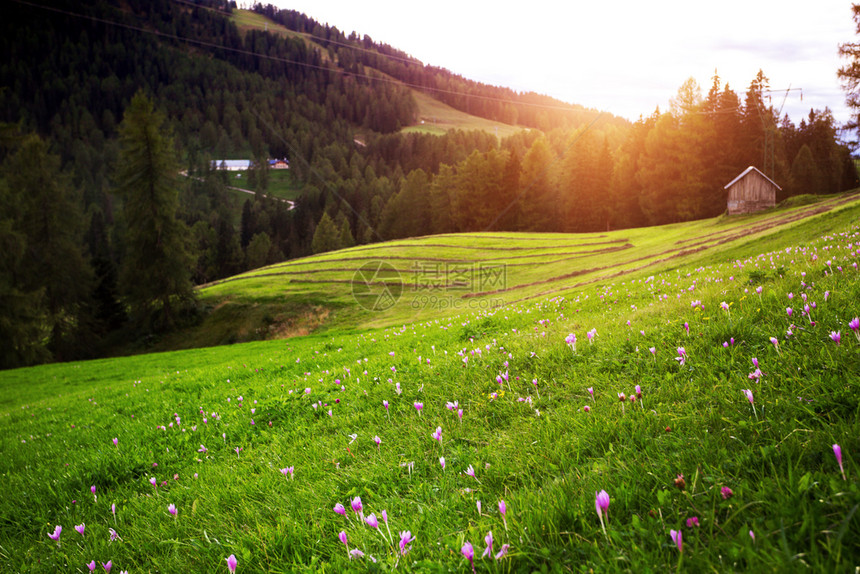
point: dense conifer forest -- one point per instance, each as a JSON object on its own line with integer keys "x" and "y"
{"x": 84, "y": 87}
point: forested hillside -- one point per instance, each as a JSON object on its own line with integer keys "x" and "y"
{"x": 333, "y": 105}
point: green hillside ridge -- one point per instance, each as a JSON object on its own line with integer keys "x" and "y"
{"x": 318, "y": 292}
{"x": 434, "y": 116}
{"x": 711, "y": 394}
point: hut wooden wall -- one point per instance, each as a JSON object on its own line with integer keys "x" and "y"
{"x": 751, "y": 193}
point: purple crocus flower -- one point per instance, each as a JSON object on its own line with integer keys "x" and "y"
{"x": 232, "y": 563}
{"x": 356, "y": 504}
{"x": 748, "y": 394}
{"x": 682, "y": 356}
{"x": 442, "y": 462}
{"x": 418, "y": 407}
{"x": 372, "y": 521}
{"x": 438, "y": 434}
{"x": 339, "y": 508}
{"x": 80, "y": 528}
{"x": 502, "y": 551}
{"x": 837, "y": 451}
{"x": 677, "y": 538}
{"x": 92, "y": 565}
{"x": 488, "y": 540}
{"x": 107, "y": 565}
{"x": 469, "y": 552}
{"x": 601, "y": 503}
{"x": 836, "y": 337}
{"x": 405, "y": 538}
{"x": 56, "y": 535}
{"x": 470, "y": 471}
{"x": 171, "y": 508}
{"x": 115, "y": 441}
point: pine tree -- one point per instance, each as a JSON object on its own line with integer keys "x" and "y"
{"x": 156, "y": 270}
{"x": 257, "y": 254}
{"x": 20, "y": 310}
{"x": 805, "y": 176}
{"x": 326, "y": 235}
{"x": 539, "y": 202}
{"x": 49, "y": 222}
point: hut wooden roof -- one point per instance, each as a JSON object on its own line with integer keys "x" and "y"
{"x": 745, "y": 172}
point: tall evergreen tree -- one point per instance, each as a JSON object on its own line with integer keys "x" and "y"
{"x": 20, "y": 309}
{"x": 850, "y": 72}
{"x": 326, "y": 235}
{"x": 49, "y": 223}
{"x": 156, "y": 271}
{"x": 805, "y": 175}
{"x": 539, "y": 202}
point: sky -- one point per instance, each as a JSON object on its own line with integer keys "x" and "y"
{"x": 626, "y": 57}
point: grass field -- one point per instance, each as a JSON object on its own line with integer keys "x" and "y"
{"x": 281, "y": 184}
{"x": 704, "y": 392}
{"x": 440, "y": 276}
{"x": 248, "y": 20}
{"x": 435, "y": 117}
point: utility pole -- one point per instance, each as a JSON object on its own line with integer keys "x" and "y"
{"x": 769, "y": 163}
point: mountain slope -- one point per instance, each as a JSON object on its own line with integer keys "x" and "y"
{"x": 439, "y": 276}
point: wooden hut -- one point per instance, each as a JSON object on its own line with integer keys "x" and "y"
{"x": 751, "y": 191}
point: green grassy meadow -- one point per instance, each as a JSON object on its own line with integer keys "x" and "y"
{"x": 445, "y": 275}
{"x": 280, "y": 185}
{"x": 435, "y": 117}
{"x": 719, "y": 456}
